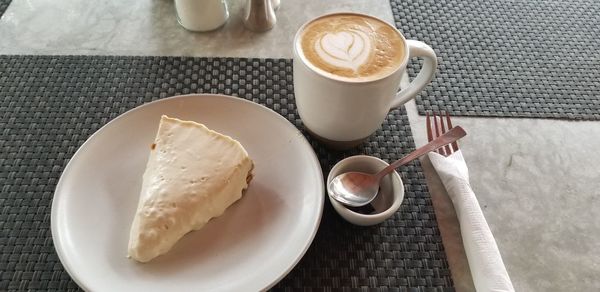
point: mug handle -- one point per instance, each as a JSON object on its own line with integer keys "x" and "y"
{"x": 417, "y": 49}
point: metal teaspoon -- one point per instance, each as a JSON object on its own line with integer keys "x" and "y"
{"x": 357, "y": 189}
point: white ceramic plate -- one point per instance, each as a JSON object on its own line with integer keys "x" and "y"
{"x": 251, "y": 247}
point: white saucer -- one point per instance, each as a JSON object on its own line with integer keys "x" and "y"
{"x": 251, "y": 247}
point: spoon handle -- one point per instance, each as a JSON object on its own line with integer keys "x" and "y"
{"x": 445, "y": 139}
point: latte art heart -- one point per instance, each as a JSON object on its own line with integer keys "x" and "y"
{"x": 346, "y": 49}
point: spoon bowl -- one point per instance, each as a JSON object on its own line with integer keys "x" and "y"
{"x": 354, "y": 188}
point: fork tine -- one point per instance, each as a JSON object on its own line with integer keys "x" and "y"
{"x": 447, "y": 148}
{"x": 429, "y": 132}
{"x": 454, "y": 144}
{"x": 437, "y": 132}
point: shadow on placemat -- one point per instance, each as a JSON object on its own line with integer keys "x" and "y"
{"x": 49, "y": 105}
{"x": 535, "y": 58}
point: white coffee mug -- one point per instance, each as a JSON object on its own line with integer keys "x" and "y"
{"x": 343, "y": 113}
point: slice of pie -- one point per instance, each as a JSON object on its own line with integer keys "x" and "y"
{"x": 193, "y": 174}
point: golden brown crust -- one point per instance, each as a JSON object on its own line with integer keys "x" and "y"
{"x": 250, "y": 175}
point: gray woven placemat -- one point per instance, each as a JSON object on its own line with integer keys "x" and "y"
{"x": 535, "y": 58}
{"x": 49, "y": 105}
{"x": 3, "y": 5}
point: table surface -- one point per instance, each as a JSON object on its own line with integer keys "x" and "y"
{"x": 536, "y": 180}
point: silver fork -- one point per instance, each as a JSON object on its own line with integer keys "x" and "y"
{"x": 437, "y": 127}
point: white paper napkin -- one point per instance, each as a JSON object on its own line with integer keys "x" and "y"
{"x": 485, "y": 262}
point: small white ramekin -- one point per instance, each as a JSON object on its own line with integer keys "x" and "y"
{"x": 388, "y": 200}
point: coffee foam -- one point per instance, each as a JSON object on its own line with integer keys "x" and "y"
{"x": 352, "y": 46}
{"x": 346, "y": 49}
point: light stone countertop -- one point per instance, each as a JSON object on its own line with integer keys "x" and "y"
{"x": 537, "y": 180}
{"x": 150, "y": 27}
